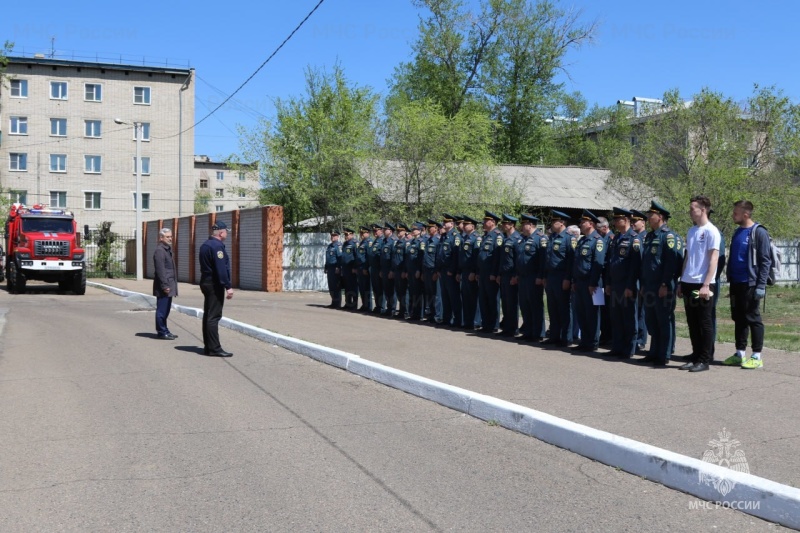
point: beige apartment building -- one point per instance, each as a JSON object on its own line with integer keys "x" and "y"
{"x": 67, "y": 139}
{"x": 222, "y": 187}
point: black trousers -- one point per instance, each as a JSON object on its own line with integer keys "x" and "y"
{"x": 746, "y": 315}
{"x": 213, "y": 300}
{"x": 698, "y": 318}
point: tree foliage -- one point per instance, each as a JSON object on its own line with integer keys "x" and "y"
{"x": 712, "y": 145}
{"x": 431, "y": 163}
{"x": 310, "y": 156}
{"x": 503, "y": 60}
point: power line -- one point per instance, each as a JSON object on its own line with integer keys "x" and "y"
{"x": 254, "y": 73}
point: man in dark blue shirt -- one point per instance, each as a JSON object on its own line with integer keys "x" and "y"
{"x": 215, "y": 283}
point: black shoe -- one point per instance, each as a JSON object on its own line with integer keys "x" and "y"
{"x": 699, "y": 367}
{"x": 167, "y": 337}
{"x": 173, "y": 335}
{"x": 549, "y": 341}
{"x": 659, "y": 362}
{"x": 687, "y": 366}
{"x": 614, "y": 353}
{"x": 219, "y": 353}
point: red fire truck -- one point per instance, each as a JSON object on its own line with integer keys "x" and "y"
{"x": 43, "y": 244}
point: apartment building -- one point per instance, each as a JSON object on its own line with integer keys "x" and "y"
{"x": 222, "y": 187}
{"x": 68, "y": 138}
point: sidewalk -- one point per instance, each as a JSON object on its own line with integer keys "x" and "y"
{"x": 664, "y": 407}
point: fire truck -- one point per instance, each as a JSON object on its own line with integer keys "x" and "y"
{"x": 43, "y": 244}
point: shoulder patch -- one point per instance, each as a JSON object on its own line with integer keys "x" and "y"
{"x": 220, "y": 254}
{"x": 636, "y": 243}
{"x": 574, "y": 242}
{"x": 670, "y": 240}
{"x": 599, "y": 245}
{"x": 499, "y": 240}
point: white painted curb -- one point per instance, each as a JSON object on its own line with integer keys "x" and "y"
{"x": 750, "y": 494}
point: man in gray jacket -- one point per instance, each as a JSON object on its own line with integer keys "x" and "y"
{"x": 165, "y": 284}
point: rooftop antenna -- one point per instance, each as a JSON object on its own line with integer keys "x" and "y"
{"x": 52, "y": 47}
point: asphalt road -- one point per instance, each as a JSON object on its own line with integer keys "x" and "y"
{"x": 105, "y": 428}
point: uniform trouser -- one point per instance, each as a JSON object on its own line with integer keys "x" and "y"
{"x": 444, "y": 296}
{"x": 525, "y": 287}
{"x": 377, "y": 287}
{"x": 622, "y": 313}
{"x": 430, "y": 292}
{"x": 573, "y": 314}
{"x": 213, "y": 300}
{"x": 469, "y": 299}
{"x": 364, "y": 289}
{"x": 698, "y": 318}
{"x": 389, "y": 298}
{"x": 641, "y": 324}
{"x": 714, "y": 318}
{"x": 334, "y": 289}
{"x": 454, "y": 296}
{"x": 588, "y": 314}
{"x": 746, "y": 315}
{"x": 558, "y": 308}
{"x": 509, "y": 297}
{"x": 539, "y": 328}
{"x": 163, "y": 307}
{"x": 606, "y": 329}
{"x": 657, "y": 311}
{"x": 488, "y": 291}
{"x": 350, "y": 287}
{"x": 401, "y": 291}
{"x": 416, "y": 292}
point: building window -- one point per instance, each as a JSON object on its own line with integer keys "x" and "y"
{"x": 93, "y": 92}
{"x": 19, "y": 88}
{"x": 145, "y": 131}
{"x": 141, "y": 95}
{"x": 93, "y": 128}
{"x": 241, "y": 176}
{"x": 91, "y": 200}
{"x": 58, "y": 127}
{"x": 93, "y": 164}
{"x": 58, "y": 90}
{"x": 219, "y": 193}
{"x": 58, "y": 162}
{"x": 58, "y": 198}
{"x": 204, "y": 184}
{"x": 220, "y": 176}
{"x": 19, "y": 126}
{"x": 145, "y": 201}
{"x": 242, "y": 193}
{"x": 242, "y": 207}
{"x": 18, "y": 196}
{"x": 218, "y": 208}
{"x": 145, "y": 165}
{"x": 18, "y": 161}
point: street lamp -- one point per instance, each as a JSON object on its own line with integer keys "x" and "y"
{"x": 137, "y": 128}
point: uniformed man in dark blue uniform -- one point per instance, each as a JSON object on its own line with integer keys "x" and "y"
{"x": 639, "y": 226}
{"x": 431, "y": 243}
{"x": 448, "y": 261}
{"x": 468, "y": 271}
{"x": 587, "y": 273}
{"x": 332, "y": 256}
{"x": 399, "y": 270}
{"x": 414, "y": 253}
{"x": 660, "y": 264}
{"x": 528, "y": 258}
{"x": 620, "y": 279}
{"x": 507, "y": 276}
{"x": 488, "y": 257}
{"x": 215, "y": 283}
{"x": 362, "y": 269}
{"x": 387, "y": 277}
{"x": 558, "y": 279}
{"x": 374, "y": 262}
{"x": 607, "y": 234}
{"x": 348, "y": 267}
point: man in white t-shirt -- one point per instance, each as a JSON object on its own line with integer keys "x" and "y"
{"x": 698, "y": 282}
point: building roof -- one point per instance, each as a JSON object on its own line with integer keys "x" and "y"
{"x": 565, "y": 187}
{"x": 63, "y": 62}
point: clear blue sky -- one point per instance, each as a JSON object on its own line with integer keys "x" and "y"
{"x": 642, "y": 48}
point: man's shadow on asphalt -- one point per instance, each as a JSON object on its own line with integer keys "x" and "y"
{"x": 198, "y": 350}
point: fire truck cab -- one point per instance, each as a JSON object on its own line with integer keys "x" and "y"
{"x": 43, "y": 244}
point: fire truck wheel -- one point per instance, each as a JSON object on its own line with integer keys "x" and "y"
{"x": 79, "y": 282}
{"x": 16, "y": 280}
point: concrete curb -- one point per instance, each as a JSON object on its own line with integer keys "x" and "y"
{"x": 747, "y": 493}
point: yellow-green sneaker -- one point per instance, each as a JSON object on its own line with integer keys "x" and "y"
{"x": 753, "y": 363}
{"x": 733, "y": 360}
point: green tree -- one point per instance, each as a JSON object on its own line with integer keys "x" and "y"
{"x": 431, "y": 163}
{"x": 310, "y": 156}
{"x": 503, "y": 59}
{"x": 714, "y": 146}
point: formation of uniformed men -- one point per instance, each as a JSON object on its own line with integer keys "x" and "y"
{"x": 449, "y": 275}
